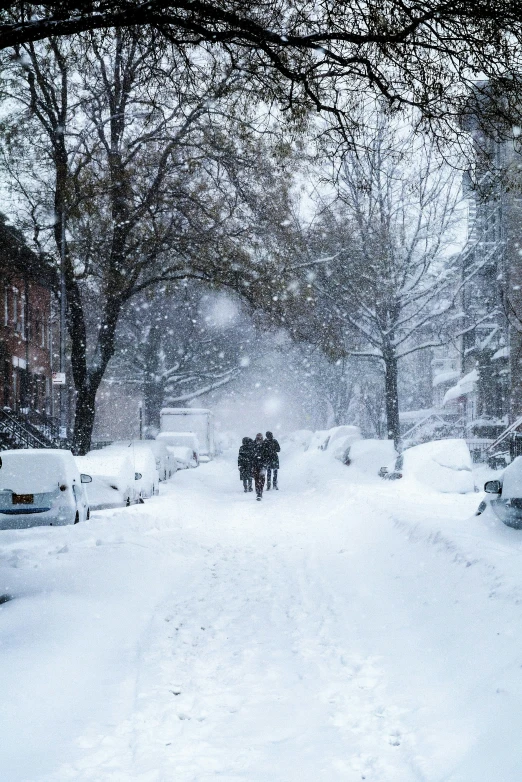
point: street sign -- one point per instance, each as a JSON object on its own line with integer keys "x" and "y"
{"x": 58, "y": 378}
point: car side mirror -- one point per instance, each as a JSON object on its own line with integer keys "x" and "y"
{"x": 493, "y": 487}
{"x": 85, "y": 478}
{"x": 383, "y": 471}
{"x": 138, "y": 476}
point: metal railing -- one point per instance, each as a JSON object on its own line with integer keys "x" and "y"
{"x": 18, "y": 429}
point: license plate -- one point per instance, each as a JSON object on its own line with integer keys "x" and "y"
{"x": 23, "y": 499}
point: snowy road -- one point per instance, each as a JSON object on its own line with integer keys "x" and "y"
{"x": 340, "y": 630}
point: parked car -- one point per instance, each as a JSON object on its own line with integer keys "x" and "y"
{"x": 504, "y": 495}
{"x": 340, "y": 438}
{"x": 183, "y": 446}
{"x": 442, "y": 465}
{"x": 114, "y": 480}
{"x": 367, "y": 455}
{"x": 40, "y": 486}
{"x": 144, "y": 463}
{"x": 165, "y": 465}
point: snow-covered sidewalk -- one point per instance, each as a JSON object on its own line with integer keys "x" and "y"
{"x": 343, "y": 629}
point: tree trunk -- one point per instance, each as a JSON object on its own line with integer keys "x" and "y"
{"x": 391, "y": 396}
{"x": 84, "y": 419}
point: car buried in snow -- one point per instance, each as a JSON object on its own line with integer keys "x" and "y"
{"x": 39, "y": 487}
{"x": 183, "y": 447}
{"x": 504, "y": 496}
{"x": 440, "y": 465}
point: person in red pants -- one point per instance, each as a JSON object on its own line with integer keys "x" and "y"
{"x": 259, "y": 462}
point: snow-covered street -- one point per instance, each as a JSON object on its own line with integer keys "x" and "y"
{"x": 345, "y": 628}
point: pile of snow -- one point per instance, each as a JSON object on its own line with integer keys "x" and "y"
{"x": 370, "y": 455}
{"x": 443, "y": 465}
{"x": 113, "y": 481}
{"x": 299, "y": 439}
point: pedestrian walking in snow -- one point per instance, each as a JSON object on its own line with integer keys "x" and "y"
{"x": 272, "y": 465}
{"x": 260, "y": 459}
{"x": 245, "y": 463}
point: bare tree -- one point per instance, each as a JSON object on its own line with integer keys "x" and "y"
{"x": 173, "y": 347}
{"x": 142, "y": 174}
{"x": 391, "y": 283}
{"x": 322, "y": 55}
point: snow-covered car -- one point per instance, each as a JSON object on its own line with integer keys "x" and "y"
{"x": 144, "y": 463}
{"x": 441, "y": 465}
{"x": 504, "y": 495}
{"x": 183, "y": 456}
{"x": 340, "y": 439}
{"x": 164, "y": 464}
{"x": 41, "y": 486}
{"x": 368, "y": 455}
{"x": 336, "y": 440}
{"x": 114, "y": 480}
{"x": 179, "y": 445}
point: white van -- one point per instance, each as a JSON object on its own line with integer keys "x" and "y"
{"x": 40, "y": 486}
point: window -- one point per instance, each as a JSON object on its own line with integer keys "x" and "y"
{"x": 21, "y": 323}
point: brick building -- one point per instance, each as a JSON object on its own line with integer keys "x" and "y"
{"x": 26, "y": 350}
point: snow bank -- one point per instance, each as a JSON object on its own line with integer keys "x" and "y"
{"x": 442, "y": 465}
{"x": 299, "y": 439}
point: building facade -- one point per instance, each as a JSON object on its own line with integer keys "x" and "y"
{"x": 26, "y": 328}
{"x": 488, "y": 393}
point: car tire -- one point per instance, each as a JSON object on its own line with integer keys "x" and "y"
{"x": 127, "y": 502}
{"x": 88, "y": 516}
{"x": 77, "y": 518}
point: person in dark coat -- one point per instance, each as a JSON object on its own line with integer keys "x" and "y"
{"x": 260, "y": 458}
{"x": 245, "y": 463}
{"x": 272, "y": 464}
